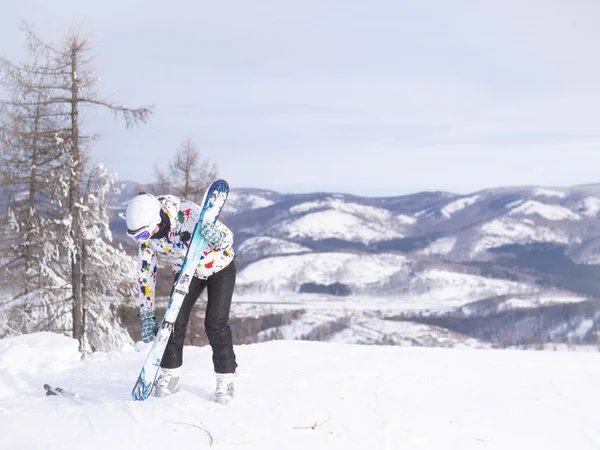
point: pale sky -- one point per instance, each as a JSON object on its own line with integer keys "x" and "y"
{"x": 372, "y": 97}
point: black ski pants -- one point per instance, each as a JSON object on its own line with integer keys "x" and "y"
{"x": 220, "y": 291}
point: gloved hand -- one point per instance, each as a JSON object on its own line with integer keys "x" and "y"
{"x": 213, "y": 235}
{"x": 148, "y": 326}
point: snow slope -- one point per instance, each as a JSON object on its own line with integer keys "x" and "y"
{"x": 336, "y": 219}
{"x": 366, "y": 327}
{"x": 509, "y": 231}
{"x": 262, "y": 246}
{"x": 441, "y": 246}
{"x": 458, "y": 205}
{"x": 338, "y": 204}
{"x": 549, "y": 212}
{"x": 288, "y": 272}
{"x": 240, "y": 202}
{"x": 307, "y": 395}
{"x": 590, "y": 206}
{"x": 364, "y": 330}
{"x": 403, "y": 219}
{"x": 520, "y": 302}
{"x": 439, "y": 289}
{"x": 544, "y": 192}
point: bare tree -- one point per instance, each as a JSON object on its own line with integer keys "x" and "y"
{"x": 60, "y": 77}
{"x": 188, "y": 175}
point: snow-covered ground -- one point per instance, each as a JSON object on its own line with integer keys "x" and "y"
{"x": 509, "y": 231}
{"x": 300, "y": 395}
{"x": 279, "y": 273}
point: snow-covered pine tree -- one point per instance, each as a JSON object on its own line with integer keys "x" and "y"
{"x": 61, "y": 77}
{"x": 32, "y": 222}
{"x": 108, "y": 272}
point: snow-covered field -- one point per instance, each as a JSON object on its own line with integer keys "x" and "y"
{"x": 508, "y": 231}
{"x": 280, "y": 273}
{"x": 442, "y": 289}
{"x": 301, "y": 395}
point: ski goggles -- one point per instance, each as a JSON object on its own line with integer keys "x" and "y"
{"x": 141, "y": 234}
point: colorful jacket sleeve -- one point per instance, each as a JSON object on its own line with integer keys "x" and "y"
{"x": 227, "y": 236}
{"x": 146, "y": 272}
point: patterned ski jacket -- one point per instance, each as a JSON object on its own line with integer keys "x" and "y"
{"x": 184, "y": 216}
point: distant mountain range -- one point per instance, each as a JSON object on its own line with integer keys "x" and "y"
{"x": 523, "y": 234}
{"x": 434, "y": 251}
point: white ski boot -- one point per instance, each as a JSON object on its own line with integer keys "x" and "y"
{"x": 167, "y": 382}
{"x": 225, "y": 389}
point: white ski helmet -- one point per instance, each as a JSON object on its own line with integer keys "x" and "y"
{"x": 142, "y": 216}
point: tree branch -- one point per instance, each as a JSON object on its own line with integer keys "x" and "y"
{"x": 312, "y": 427}
{"x": 203, "y": 428}
{"x": 132, "y": 116}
